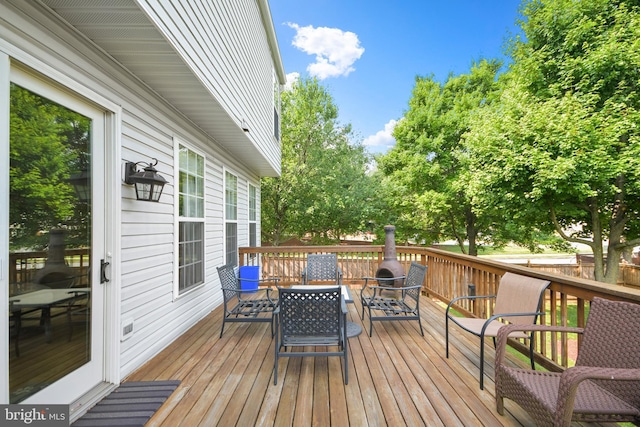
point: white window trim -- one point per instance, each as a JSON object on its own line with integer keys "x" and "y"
{"x": 225, "y": 220}
{"x": 249, "y": 220}
{"x": 177, "y": 142}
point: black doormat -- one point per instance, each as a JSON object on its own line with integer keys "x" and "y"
{"x": 130, "y": 405}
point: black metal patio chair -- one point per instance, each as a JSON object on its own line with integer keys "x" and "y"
{"x": 322, "y": 268}
{"x": 386, "y": 303}
{"x": 242, "y": 305}
{"x": 306, "y": 318}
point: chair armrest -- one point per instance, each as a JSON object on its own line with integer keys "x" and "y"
{"x": 245, "y": 291}
{"x": 270, "y": 279}
{"x": 465, "y": 297}
{"x": 382, "y": 278}
{"x": 506, "y": 330}
{"x": 572, "y": 377}
{"x": 366, "y": 282}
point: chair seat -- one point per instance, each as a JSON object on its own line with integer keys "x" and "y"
{"x": 252, "y": 308}
{"x": 312, "y": 340}
{"x": 390, "y": 306}
{"x": 542, "y": 387}
{"x": 474, "y": 325}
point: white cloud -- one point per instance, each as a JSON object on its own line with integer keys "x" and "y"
{"x": 383, "y": 139}
{"x": 335, "y": 50}
{"x": 291, "y": 79}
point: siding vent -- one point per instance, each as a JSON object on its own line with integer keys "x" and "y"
{"x": 127, "y": 329}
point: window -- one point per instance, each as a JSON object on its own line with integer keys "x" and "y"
{"x": 231, "y": 217}
{"x": 253, "y": 226}
{"x": 191, "y": 219}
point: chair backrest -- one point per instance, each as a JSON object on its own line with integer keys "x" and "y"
{"x": 228, "y": 280}
{"x": 611, "y": 339}
{"x": 310, "y": 312}
{"x": 519, "y": 294}
{"x": 322, "y": 267}
{"x": 415, "y": 276}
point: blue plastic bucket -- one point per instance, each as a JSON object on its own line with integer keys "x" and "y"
{"x": 249, "y": 272}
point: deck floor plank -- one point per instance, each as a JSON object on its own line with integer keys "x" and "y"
{"x": 396, "y": 378}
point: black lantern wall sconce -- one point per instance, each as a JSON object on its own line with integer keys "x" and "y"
{"x": 148, "y": 182}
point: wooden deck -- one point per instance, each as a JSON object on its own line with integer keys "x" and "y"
{"x": 396, "y": 378}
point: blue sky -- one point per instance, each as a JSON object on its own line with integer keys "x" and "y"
{"x": 367, "y": 53}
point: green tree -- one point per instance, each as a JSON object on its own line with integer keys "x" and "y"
{"x": 561, "y": 150}
{"x": 425, "y": 174}
{"x": 323, "y": 188}
{"x": 46, "y": 142}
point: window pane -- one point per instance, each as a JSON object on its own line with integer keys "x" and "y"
{"x": 191, "y": 184}
{"x": 191, "y": 254}
{"x": 252, "y": 203}
{"x": 231, "y": 243}
{"x": 231, "y": 196}
{"x": 253, "y": 238}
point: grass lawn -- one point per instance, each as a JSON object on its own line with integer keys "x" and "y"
{"x": 509, "y": 250}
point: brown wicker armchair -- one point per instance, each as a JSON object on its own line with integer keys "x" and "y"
{"x": 604, "y": 384}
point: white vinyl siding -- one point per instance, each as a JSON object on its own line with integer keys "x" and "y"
{"x": 226, "y": 45}
{"x": 228, "y": 52}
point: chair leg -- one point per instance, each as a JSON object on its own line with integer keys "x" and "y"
{"x": 446, "y": 336}
{"x": 275, "y": 368}
{"x": 481, "y": 362}
{"x": 500, "y": 404}
{"x": 420, "y": 323}
{"x": 222, "y": 329}
{"x": 346, "y": 358}
{"x": 531, "y": 358}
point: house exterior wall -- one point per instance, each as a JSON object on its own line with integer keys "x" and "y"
{"x": 226, "y": 46}
{"x": 240, "y": 71}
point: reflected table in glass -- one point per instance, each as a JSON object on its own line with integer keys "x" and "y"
{"x": 44, "y": 300}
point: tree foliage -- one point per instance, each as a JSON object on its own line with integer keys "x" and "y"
{"x": 48, "y": 142}
{"x": 323, "y": 190}
{"x": 561, "y": 149}
{"x": 426, "y": 173}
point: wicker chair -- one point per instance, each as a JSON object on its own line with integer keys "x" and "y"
{"x": 309, "y": 318}
{"x": 604, "y": 384}
{"x": 518, "y": 301}
{"x": 322, "y": 267}
{"x": 394, "y": 303}
{"x": 240, "y": 308}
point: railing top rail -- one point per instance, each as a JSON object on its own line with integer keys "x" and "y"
{"x": 582, "y": 288}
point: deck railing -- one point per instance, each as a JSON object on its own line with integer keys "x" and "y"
{"x": 448, "y": 276}
{"x": 23, "y": 266}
